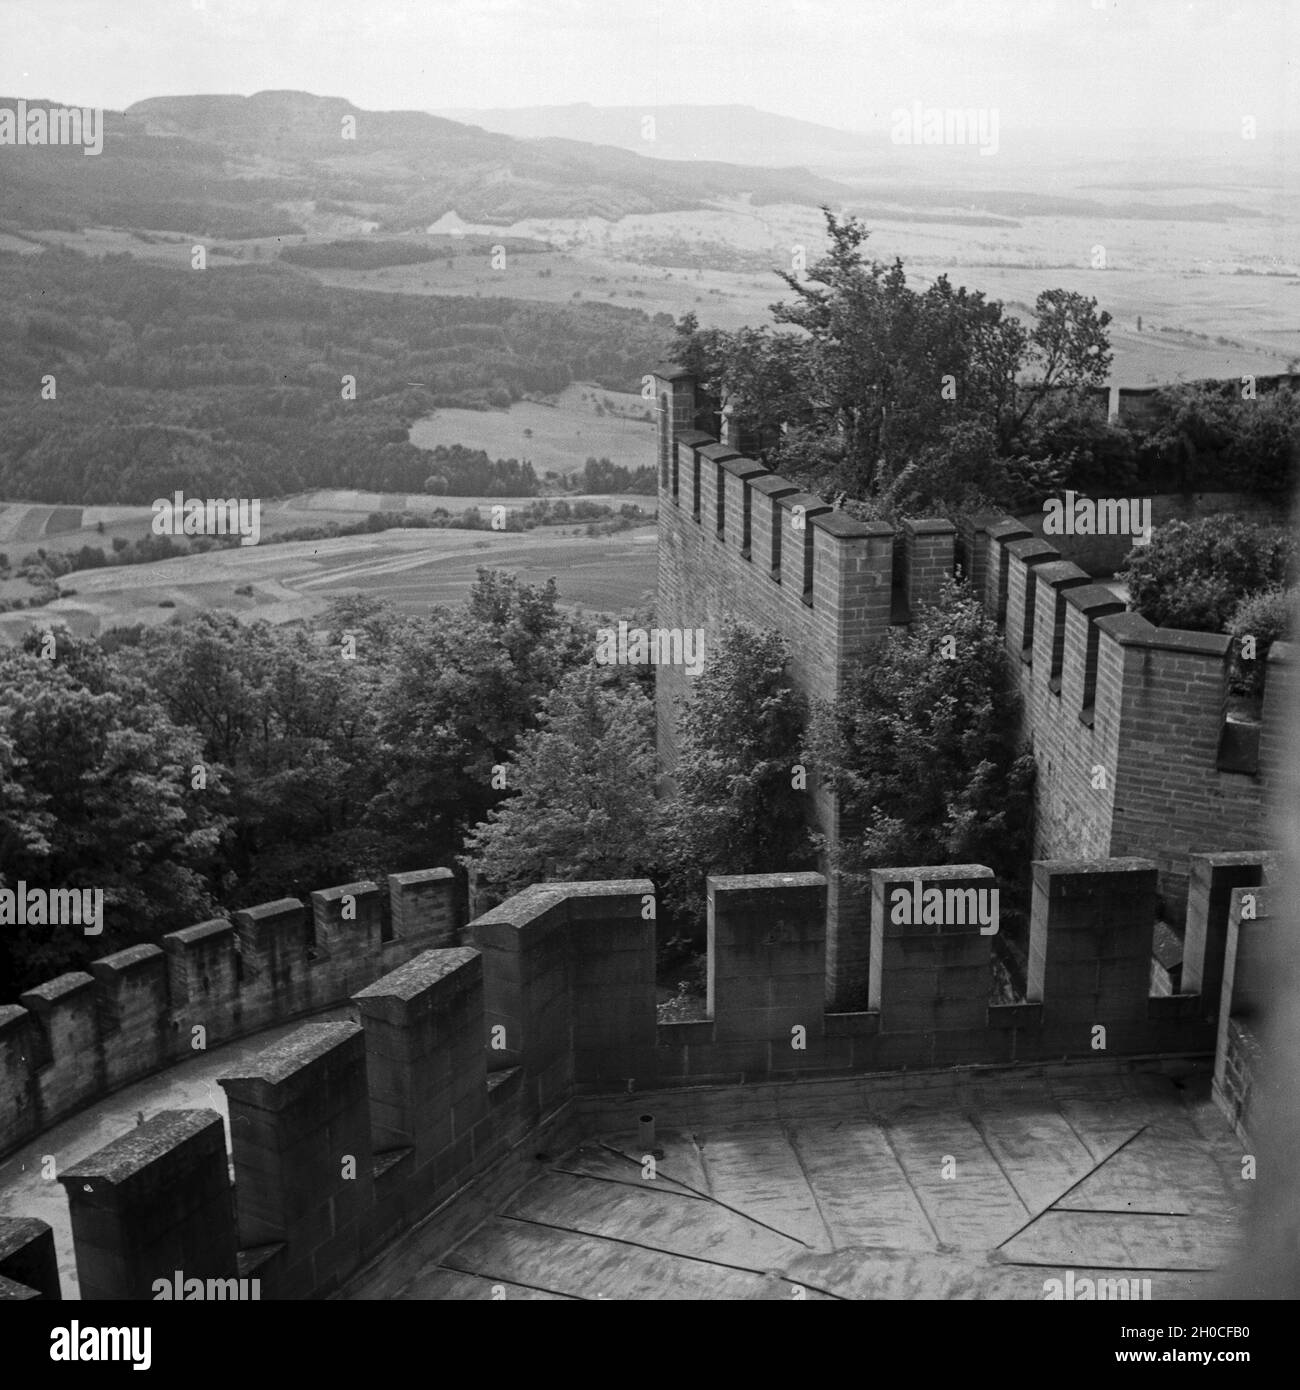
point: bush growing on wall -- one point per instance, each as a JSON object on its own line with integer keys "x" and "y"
{"x": 1194, "y": 574}
{"x": 923, "y": 749}
{"x": 1265, "y": 617}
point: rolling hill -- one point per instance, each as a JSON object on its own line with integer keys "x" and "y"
{"x": 238, "y": 167}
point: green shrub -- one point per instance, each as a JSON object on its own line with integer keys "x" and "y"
{"x": 1266, "y": 617}
{"x": 923, "y": 748}
{"x": 1194, "y": 574}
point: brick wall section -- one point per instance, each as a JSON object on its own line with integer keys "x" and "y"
{"x": 1026, "y": 556}
{"x": 1170, "y": 796}
{"x": 997, "y": 568}
{"x": 298, "y": 1112}
{"x": 972, "y": 552}
{"x": 675, "y": 393}
{"x": 1155, "y": 725}
{"x": 70, "y": 1040}
{"x": 153, "y": 1202}
{"x": 1163, "y": 793}
{"x": 1072, "y": 814}
{"x": 1244, "y": 997}
{"x": 1211, "y": 883}
{"x": 1238, "y": 1068}
{"x": 706, "y": 577}
{"x": 1277, "y": 730}
{"x": 931, "y": 557}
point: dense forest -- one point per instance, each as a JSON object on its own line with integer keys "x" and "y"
{"x": 231, "y": 382}
{"x": 215, "y": 764}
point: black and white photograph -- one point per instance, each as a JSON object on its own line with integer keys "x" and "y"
{"x": 646, "y": 654}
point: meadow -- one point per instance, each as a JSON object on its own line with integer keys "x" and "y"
{"x": 1216, "y": 298}
{"x": 295, "y": 581}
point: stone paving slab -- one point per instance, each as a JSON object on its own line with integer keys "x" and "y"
{"x": 1108, "y": 1177}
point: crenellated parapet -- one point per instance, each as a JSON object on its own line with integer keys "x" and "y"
{"x": 85, "y": 1034}
{"x": 462, "y": 1064}
{"x": 1139, "y": 746}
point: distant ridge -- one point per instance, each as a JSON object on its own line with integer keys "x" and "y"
{"x": 236, "y": 166}
{"x": 736, "y": 134}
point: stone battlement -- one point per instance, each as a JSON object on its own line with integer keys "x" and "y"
{"x": 83, "y": 1035}
{"x": 463, "y": 1063}
{"x": 1129, "y": 723}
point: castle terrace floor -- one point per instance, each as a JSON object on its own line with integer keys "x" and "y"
{"x": 984, "y": 1189}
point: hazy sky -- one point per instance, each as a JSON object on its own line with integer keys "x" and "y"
{"x": 1195, "y": 64}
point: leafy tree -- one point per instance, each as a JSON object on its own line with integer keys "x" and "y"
{"x": 875, "y": 371}
{"x": 922, "y": 747}
{"x": 582, "y": 802}
{"x": 292, "y": 724}
{"x": 1193, "y": 574}
{"x": 458, "y": 690}
{"x": 1264, "y": 452}
{"x": 1094, "y": 454}
{"x": 96, "y": 792}
{"x": 1203, "y": 434}
{"x": 737, "y": 809}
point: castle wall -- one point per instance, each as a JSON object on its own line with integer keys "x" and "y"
{"x": 1104, "y": 555}
{"x": 152, "y": 1202}
{"x": 1244, "y": 996}
{"x": 738, "y": 542}
{"x": 1127, "y": 722}
{"x": 346, "y": 1135}
{"x": 83, "y": 1034}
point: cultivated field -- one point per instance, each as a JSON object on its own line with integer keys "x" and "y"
{"x": 1217, "y": 298}
{"x": 564, "y": 431}
{"x": 295, "y": 581}
{"x": 28, "y": 526}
